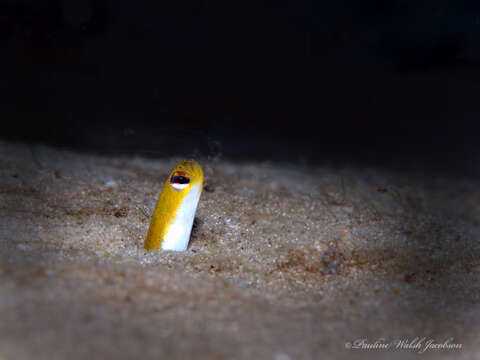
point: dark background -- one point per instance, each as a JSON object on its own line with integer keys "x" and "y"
{"x": 374, "y": 83}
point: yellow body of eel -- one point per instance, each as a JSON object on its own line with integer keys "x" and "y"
{"x": 172, "y": 220}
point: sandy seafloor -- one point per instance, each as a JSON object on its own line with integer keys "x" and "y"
{"x": 286, "y": 261}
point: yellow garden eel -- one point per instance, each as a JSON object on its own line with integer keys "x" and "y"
{"x": 172, "y": 220}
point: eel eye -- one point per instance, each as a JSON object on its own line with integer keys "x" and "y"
{"x": 179, "y": 180}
